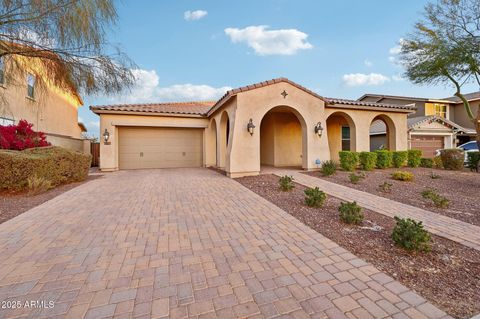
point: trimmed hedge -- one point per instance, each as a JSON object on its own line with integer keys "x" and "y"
{"x": 400, "y": 158}
{"x": 426, "y": 162}
{"x": 414, "y": 158}
{"x": 368, "y": 160}
{"x": 384, "y": 158}
{"x": 54, "y": 164}
{"x": 348, "y": 160}
{"x": 473, "y": 160}
{"x": 452, "y": 158}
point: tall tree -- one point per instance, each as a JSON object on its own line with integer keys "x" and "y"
{"x": 444, "y": 48}
{"x": 66, "y": 41}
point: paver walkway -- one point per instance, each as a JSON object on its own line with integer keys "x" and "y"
{"x": 453, "y": 229}
{"x": 185, "y": 243}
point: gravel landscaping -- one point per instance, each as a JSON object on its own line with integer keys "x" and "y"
{"x": 460, "y": 188}
{"x": 448, "y": 276}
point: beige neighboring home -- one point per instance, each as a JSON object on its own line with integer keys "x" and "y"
{"x": 50, "y": 109}
{"x": 275, "y": 123}
{"x": 436, "y": 124}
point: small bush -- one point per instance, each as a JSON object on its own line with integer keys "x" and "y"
{"x": 386, "y": 187}
{"x": 368, "y": 160}
{"x": 286, "y": 183}
{"x": 410, "y": 235}
{"x": 452, "y": 158}
{"x": 473, "y": 160}
{"x": 403, "y": 176}
{"x": 348, "y": 160}
{"x": 437, "y": 199}
{"x": 414, "y": 158}
{"x": 314, "y": 197}
{"x": 399, "y": 158}
{"x": 329, "y": 168}
{"x": 37, "y": 185}
{"x": 434, "y": 175}
{"x": 355, "y": 178}
{"x": 21, "y": 136}
{"x": 384, "y": 158}
{"x": 426, "y": 162}
{"x": 437, "y": 162}
{"x": 350, "y": 213}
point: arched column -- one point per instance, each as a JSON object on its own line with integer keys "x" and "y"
{"x": 211, "y": 144}
{"x": 223, "y": 137}
{"x": 390, "y": 131}
{"x": 342, "y": 133}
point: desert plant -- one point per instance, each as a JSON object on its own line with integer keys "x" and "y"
{"x": 473, "y": 161}
{"x": 314, "y": 197}
{"x": 414, "y": 158}
{"x": 384, "y": 158}
{"x": 434, "y": 175}
{"x": 437, "y": 199}
{"x": 348, "y": 160}
{"x": 399, "y": 158}
{"x": 426, "y": 162}
{"x": 286, "y": 183}
{"x": 368, "y": 160}
{"x": 437, "y": 162}
{"x": 386, "y": 187}
{"x": 409, "y": 234}
{"x": 350, "y": 213}
{"x": 403, "y": 176}
{"x": 21, "y": 136}
{"x": 355, "y": 178}
{"x": 37, "y": 185}
{"x": 452, "y": 158}
{"x": 328, "y": 168}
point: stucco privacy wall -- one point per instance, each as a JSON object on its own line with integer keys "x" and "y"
{"x": 111, "y": 122}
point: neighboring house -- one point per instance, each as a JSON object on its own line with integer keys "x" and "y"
{"x": 49, "y": 108}
{"x": 436, "y": 124}
{"x": 276, "y": 122}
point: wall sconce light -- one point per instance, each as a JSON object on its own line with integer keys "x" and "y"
{"x": 319, "y": 129}
{"x": 250, "y": 127}
{"x": 106, "y": 136}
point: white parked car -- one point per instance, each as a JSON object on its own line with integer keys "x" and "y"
{"x": 466, "y": 147}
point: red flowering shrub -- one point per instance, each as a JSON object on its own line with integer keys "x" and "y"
{"x": 21, "y": 136}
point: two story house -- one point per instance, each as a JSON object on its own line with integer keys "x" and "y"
{"x": 436, "y": 123}
{"x": 49, "y": 108}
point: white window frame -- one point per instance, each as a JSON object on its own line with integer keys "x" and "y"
{"x": 31, "y": 76}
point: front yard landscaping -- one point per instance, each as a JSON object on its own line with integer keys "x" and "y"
{"x": 459, "y": 188}
{"x": 447, "y": 275}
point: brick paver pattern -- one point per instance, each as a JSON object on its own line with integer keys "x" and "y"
{"x": 450, "y": 228}
{"x": 185, "y": 243}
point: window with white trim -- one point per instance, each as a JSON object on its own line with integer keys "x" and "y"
{"x": 345, "y": 138}
{"x": 31, "y": 85}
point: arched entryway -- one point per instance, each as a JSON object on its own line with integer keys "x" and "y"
{"x": 382, "y": 133}
{"x": 212, "y": 144}
{"x": 282, "y": 138}
{"x": 223, "y": 140}
{"x": 341, "y": 134}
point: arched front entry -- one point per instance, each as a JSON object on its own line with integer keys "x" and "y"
{"x": 382, "y": 133}
{"x": 282, "y": 138}
{"x": 211, "y": 151}
{"x": 222, "y": 142}
{"x": 341, "y": 131}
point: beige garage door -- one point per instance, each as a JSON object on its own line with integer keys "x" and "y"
{"x": 428, "y": 144}
{"x": 146, "y": 147}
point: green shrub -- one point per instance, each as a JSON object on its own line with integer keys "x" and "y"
{"x": 452, "y": 158}
{"x": 314, "y": 197}
{"x": 399, "y": 158}
{"x": 355, "y": 178}
{"x": 437, "y": 162}
{"x": 37, "y": 185}
{"x": 386, "y": 187}
{"x": 286, "y": 183}
{"x": 410, "y": 235}
{"x": 350, "y": 213}
{"x": 384, "y": 158}
{"x": 414, "y": 158}
{"x": 437, "y": 199}
{"x": 328, "y": 168}
{"x": 403, "y": 176}
{"x": 426, "y": 162}
{"x": 348, "y": 160}
{"x": 368, "y": 160}
{"x": 473, "y": 160}
{"x": 54, "y": 164}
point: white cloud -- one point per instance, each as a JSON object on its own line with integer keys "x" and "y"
{"x": 80, "y": 119}
{"x": 398, "y": 78}
{"x": 395, "y": 51}
{"x": 270, "y": 42}
{"x": 147, "y": 89}
{"x": 368, "y": 63}
{"x": 360, "y": 79}
{"x": 194, "y": 15}
{"x": 95, "y": 124}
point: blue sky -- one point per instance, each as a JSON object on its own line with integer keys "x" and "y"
{"x": 195, "y": 50}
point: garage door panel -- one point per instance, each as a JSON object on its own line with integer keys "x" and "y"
{"x": 160, "y": 147}
{"x": 428, "y": 144}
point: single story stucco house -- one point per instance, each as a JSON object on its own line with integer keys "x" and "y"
{"x": 276, "y": 123}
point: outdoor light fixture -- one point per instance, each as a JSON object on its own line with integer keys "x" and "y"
{"x": 250, "y": 127}
{"x": 319, "y": 129}
{"x": 106, "y": 136}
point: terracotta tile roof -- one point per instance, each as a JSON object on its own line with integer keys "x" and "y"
{"x": 188, "y": 108}
{"x": 370, "y": 104}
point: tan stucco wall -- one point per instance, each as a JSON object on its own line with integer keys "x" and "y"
{"x": 74, "y": 144}
{"x": 334, "y": 129}
{"x": 461, "y": 116}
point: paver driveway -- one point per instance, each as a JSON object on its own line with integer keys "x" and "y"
{"x": 185, "y": 242}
